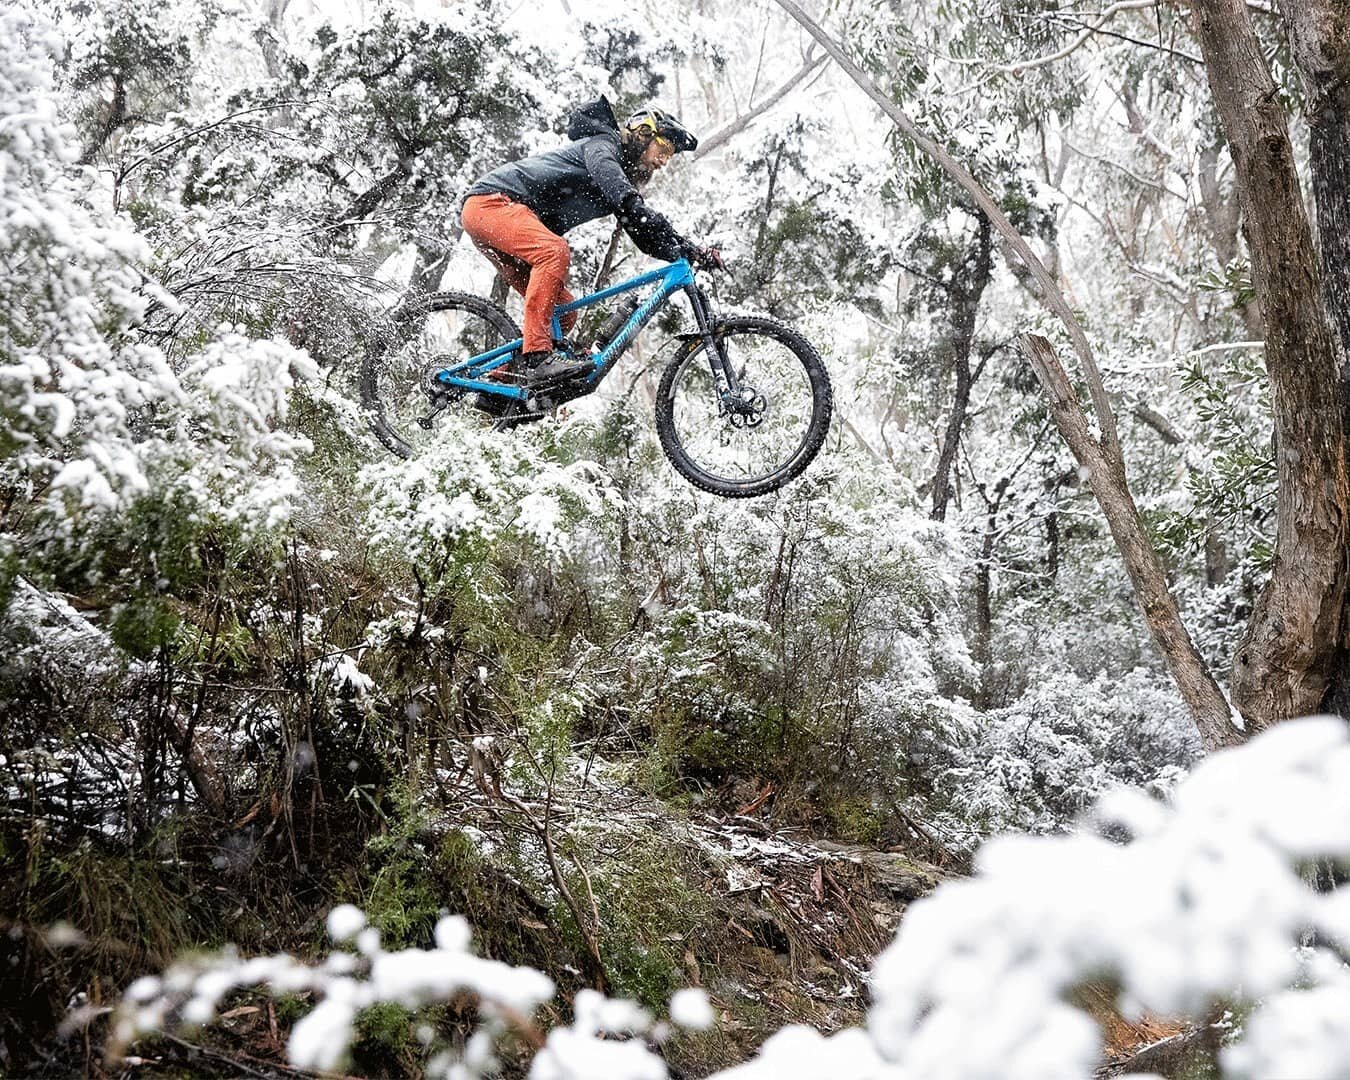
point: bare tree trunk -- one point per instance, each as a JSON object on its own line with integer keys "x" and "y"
{"x": 1223, "y": 218}
{"x": 1216, "y": 555}
{"x": 951, "y": 441}
{"x": 269, "y": 37}
{"x": 966, "y": 294}
{"x": 982, "y": 647}
{"x": 602, "y": 272}
{"x": 1100, "y": 455}
{"x": 1292, "y": 644}
{"x": 117, "y": 116}
{"x": 1319, "y": 31}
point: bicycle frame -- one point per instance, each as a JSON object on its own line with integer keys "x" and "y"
{"x": 677, "y": 276}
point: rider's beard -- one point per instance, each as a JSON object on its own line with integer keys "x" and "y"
{"x": 634, "y": 168}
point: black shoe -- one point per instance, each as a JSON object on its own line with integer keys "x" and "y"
{"x": 549, "y": 369}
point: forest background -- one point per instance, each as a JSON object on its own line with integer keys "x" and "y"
{"x": 253, "y": 668}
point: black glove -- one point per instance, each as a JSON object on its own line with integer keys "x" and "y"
{"x": 707, "y": 258}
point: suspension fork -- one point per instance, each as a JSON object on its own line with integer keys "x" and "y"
{"x": 723, "y": 374}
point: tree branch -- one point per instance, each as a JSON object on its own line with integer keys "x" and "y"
{"x": 1106, "y": 16}
{"x": 1160, "y": 424}
{"x": 723, "y": 134}
{"x": 1051, "y": 295}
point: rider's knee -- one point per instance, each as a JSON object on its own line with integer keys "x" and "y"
{"x": 557, "y": 255}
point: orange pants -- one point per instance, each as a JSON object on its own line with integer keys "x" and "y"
{"x": 532, "y": 259}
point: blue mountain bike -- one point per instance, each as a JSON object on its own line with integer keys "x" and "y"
{"x": 742, "y": 407}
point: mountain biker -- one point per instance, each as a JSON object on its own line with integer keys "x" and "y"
{"x": 516, "y": 214}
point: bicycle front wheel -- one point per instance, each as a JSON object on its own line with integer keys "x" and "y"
{"x": 423, "y": 336}
{"x": 769, "y": 433}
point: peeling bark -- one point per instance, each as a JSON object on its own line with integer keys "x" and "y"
{"x": 1319, "y": 33}
{"x": 1285, "y": 662}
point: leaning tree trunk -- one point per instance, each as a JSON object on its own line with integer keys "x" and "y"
{"x": 1289, "y": 652}
{"x": 1106, "y": 477}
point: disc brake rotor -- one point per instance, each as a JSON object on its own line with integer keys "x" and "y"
{"x": 746, "y": 408}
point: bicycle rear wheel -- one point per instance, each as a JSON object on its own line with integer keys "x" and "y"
{"x": 768, "y": 437}
{"x": 423, "y": 336}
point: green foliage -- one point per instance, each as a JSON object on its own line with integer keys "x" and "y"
{"x": 400, "y": 901}
{"x": 383, "y": 1031}
{"x": 649, "y": 909}
{"x": 127, "y": 55}
{"x": 123, "y": 906}
{"x": 143, "y": 626}
{"x": 806, "y": 229}
{"x": 632, "y": 60}
{"x": 424, "y": 105}
{"x": 400, "y": 896}
{"x": 1233, "y": 280}
{"x": 9, "y": 570}
{"x": 1236, "y": 487}
{"x": 855, "y": 820}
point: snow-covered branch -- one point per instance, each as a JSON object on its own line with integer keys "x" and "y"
{"x": 1077, "y": 43}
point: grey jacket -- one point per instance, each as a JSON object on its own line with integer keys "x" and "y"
{"x": 585, "y": 180}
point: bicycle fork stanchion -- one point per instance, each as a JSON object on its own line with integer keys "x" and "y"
{"x": 729, "y": 392}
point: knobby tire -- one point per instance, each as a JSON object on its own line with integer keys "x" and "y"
{"x": 387, "y": 389}
{"x": 813, "y": 437}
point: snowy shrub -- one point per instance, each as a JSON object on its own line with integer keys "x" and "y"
{"x": 228, "y": 450}
{"x": 472, "y": 487}
{"x": 87, "y": 409}
{"x": 218, "y": 468}
{"x": 813, "y": 636}
{"x": 348, "y": 982}
{"x": 1037, "y": 764}
{"x": 71, "y": 378}
{"x": 1204, "y": 907}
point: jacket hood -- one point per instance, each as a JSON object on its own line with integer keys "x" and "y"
{"x": 594, "y": 118}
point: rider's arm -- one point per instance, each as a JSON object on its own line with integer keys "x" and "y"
{"x": 602, "y": 162}
{"x": 650, "y": 230}
{"x": 652, "y": 233}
